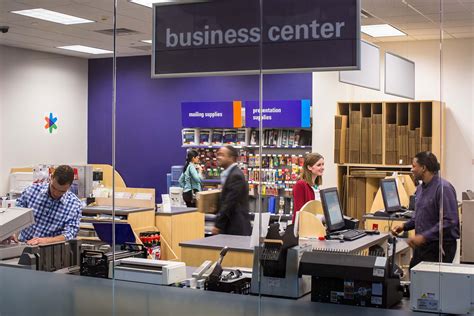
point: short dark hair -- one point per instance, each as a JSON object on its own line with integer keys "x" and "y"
{"x": 232, "y": 152}
{"x": 429, "y": 160}
{"x": 64, "y": 174}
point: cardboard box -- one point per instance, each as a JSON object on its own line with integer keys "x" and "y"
{"x": 346, "y": 151}
{"x": 376, "y": 139}
{"x": 411, "y": 144}
{"x": 340, "y": 122}
{"x": 337, "y": 139}
{"x": 354, "y": 136}
{"x": 365, "y": 149}
{"x": 425, "y": 144}
{"x": 402, "y": 145}
{"x": 417, "y": 140}
{"x": 391, "y": 145}
{"x": 208, "y": 201}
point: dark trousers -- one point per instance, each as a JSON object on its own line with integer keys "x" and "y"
{"x": 430, "y": 252}
{"x": 189, "y": 199}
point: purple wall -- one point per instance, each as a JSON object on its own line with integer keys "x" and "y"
{"x": 148, "y": 136}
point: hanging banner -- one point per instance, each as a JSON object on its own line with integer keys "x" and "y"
{"x": 279, "y": 114}
{"x": 212, "y": 114}
{"x": 230, "y": 37}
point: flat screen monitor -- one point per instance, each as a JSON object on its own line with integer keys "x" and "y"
{"x": 390, "y": 197}
{"x": 332, "y": 209}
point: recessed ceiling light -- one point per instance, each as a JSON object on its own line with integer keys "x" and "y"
{"x": 146, "y": 41}
{"x": 149, "y": 3}
{"x": 381, "y": 30}
{"x": 52, "y": 16}
{"x": 86, "y": 49}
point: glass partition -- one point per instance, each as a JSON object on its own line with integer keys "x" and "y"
{"x": 55, "y": 134}
{"x": 456, "y": 166}
{"x": 184, "y": 158}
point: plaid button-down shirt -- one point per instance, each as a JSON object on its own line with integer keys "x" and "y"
{"x": 52, "y": 217}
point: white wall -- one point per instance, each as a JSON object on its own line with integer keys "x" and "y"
{"x": 457, "y": 92}
{"x": 31, "y": 85}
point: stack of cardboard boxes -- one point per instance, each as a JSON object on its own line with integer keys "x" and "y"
{"x": 365, "y": 147}
{"x": 354, "y": 136}
{"x": 425, "y": 144}
{"x": 376, "y": 148}
{"x": 340, "y": 123}
{"x": 391, "y": 144}
{"x": 402, "y": 145}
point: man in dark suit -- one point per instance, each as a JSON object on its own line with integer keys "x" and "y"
{"x": 233, "y": 217}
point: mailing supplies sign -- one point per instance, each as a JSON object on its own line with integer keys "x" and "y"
{"x": 212, "y": 114}
{"x": 223, "y": 37}
{"x": 278, "y": 114}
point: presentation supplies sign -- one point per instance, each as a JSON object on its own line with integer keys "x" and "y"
{"x": 227, "y": 37}
{"x": 278, "y": 114}
{"x": 212, "y": 114}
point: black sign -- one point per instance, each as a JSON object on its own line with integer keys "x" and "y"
{"x": 232, "y": 36}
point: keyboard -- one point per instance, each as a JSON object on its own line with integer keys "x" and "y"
{"x": 353, "y": 234}
{"x": 407, "y": 214}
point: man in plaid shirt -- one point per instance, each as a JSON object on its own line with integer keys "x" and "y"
{"x": 57, "y": 211}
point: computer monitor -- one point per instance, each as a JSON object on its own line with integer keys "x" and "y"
{"x": 332, "y": 209}
{"x": 123, "y": 232}
{"x": 390, "y": 196}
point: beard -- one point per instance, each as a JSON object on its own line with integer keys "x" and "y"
{"x": 418, "y": 177}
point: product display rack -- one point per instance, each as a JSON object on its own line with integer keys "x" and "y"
{"x": 281, "y": 165}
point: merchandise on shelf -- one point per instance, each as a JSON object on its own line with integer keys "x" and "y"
{"x": 246, "y": 137}
{"x": 217, "y": 137}
{"x": 190, "y": 136}
{"x": 205, "y": 137}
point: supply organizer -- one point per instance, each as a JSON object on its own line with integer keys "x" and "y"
{"x": 374, "y": 139}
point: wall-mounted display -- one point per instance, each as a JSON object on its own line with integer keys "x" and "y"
{"x": 399, "y": 76}
{"x": 369, "y": 74}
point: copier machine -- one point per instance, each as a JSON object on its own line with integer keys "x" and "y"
{"x": 13, "y": 220}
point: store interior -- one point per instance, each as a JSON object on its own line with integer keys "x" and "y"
{"x": 126, "y": 132}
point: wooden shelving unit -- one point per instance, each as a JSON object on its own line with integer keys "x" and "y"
{"x": 374, "y": 139}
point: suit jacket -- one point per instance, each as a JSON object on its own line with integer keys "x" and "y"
{"x": 233, "y": 217}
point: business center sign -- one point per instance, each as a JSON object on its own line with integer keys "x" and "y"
{"x": 226, "y": 37}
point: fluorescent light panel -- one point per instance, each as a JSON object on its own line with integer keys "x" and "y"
{"x": 52, "y": 16}
{"x": 146, "y": 41}
{"x": 86, "y": 49}
{"x": 381, "y": 30}
{"x": 149, "y": 3}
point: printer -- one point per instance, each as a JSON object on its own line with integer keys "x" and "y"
{"x": 352, "y": 280}
{"x": 446, "y": 288}
{"x": 277, "y": 263}
{"x": 13, "y": 220}
{"x": 149, "y": 271}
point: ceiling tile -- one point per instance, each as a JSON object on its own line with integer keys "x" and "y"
{"x": 463, "y": 35}
{"x": 463, "y": 29}
{"x": 432, "y": 31}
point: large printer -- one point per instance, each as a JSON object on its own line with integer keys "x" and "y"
{"x": 350, "y": 279}
{"x": 149, "y": 271}
{"x": 13, "y": 220}
{"x": 279, "y": 259}
{"x": 49, "y": 257}
{"x": 442, "y": 288}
